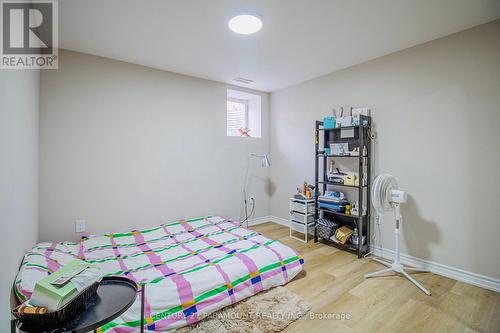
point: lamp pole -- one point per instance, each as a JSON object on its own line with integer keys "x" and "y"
{"x": 264, "y": 163}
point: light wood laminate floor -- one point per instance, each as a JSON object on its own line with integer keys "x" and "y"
{"x": 333, "y": 282}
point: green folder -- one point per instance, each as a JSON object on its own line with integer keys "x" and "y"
{"x": 53, "y": 297}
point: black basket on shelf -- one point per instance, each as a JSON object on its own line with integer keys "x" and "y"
{"x": 325, "y": 228}
{"x": 68, "y": 311}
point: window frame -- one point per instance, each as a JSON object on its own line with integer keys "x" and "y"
{"x": 245, "y": 103}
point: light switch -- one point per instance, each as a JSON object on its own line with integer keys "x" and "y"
{"x": 79, "y": 226}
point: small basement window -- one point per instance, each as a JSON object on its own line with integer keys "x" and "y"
{"x": 243, "y": 114}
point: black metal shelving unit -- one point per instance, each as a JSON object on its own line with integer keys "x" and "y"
{"x": 361, "y": 138}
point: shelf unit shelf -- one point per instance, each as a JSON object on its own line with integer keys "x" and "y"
{"x": 322, "y": 154}
{"x": 339, "y": 128}
{"x": 338, "y": 184}
{"x": 347, "y": 247}
{"x": 360, "y": 138}
{"x": 329, "y": 211}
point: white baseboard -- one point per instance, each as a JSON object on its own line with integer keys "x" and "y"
{"x": 258, "y": 220}
{"x": 279, "y": 220}
{"x": 440, "y": 269}
{"x": 268, "y": 218}
{"x": 436, "y": 268}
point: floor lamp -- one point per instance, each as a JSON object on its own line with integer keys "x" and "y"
{"x": 264, "y": 163}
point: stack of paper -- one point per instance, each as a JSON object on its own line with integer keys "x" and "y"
{"x": 57, "y": 289}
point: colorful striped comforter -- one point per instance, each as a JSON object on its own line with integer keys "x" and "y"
{"x": 192, "y": 268}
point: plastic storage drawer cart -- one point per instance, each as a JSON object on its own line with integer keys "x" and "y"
{"x": 302, "y": 218}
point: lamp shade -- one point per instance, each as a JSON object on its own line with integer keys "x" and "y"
{"x": 265, "y": 161}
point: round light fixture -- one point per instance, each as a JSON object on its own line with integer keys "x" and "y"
{"x": 245, "y": 24}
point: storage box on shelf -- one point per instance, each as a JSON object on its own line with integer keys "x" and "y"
{"x": 302, "y": 218}
{"x": 325, "y": 228}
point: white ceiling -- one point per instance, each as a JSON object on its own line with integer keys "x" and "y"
{"x": 300, "y": 39}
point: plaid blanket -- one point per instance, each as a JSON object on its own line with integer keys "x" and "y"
{"x": 192, "y": 268}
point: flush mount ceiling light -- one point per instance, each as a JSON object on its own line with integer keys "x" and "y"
{"x": 245, "y": 24}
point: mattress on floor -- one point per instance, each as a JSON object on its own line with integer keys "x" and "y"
{"x": 191, "y": 267}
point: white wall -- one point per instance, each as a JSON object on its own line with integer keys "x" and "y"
{"x": 125, "y": 146}
{"x": 18, "y": 176}
{"x": 436, "y": 110}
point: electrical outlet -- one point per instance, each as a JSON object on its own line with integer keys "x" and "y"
{"x": 79, "y": 226}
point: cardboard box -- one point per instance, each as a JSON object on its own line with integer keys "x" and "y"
{"x": 343, "y": 234}
{"x": 350, "y": 179}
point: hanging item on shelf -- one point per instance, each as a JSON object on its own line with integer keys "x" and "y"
{"x": 371, "y": 134}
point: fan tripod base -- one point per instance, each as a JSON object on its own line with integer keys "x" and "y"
{"x": 399, "y": 268}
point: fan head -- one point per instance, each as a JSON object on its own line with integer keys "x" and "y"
{"x": 386, "y": 193}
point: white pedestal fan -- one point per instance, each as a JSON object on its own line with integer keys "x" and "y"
{"x": 386, "y": 196}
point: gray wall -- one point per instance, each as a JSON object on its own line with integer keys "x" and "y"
{"x": 436, "y": 109}
{"x": 18, "y": 175}
{"x": 126, "y": 146}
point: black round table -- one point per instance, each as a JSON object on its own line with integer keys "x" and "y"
{"x": 114, "y": 296}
